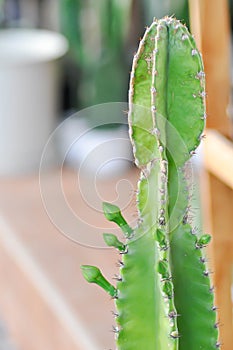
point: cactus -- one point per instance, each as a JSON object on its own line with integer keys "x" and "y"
{"x": 164, "y": 298}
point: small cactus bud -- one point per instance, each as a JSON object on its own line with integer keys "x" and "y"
{"x": 168, "y": 289}
{"x": 93, "y": 275}
{"x": 161, "y": 238}
{"x": 112, "y": 241}
{"x": 113, "y": 213}
{"x": 163, "y": 268}
{"x": 203, "y": 240}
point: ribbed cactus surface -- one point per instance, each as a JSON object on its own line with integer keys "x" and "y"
{"x": 164, "y": 298}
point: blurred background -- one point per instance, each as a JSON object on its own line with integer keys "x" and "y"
{"x": 64, "y": 75}
{"x": 102, "y": 37}
{"x": 99, "y": 39}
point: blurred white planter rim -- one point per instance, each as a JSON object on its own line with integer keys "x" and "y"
{"x": 25, "y": 46}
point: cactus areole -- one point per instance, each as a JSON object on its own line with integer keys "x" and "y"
{"x": 164, "y": 297}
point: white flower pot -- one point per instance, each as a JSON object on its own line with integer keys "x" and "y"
{"x": 29, "y": 96}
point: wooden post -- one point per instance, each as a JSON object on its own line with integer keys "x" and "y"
{"x": 210, "y": 25}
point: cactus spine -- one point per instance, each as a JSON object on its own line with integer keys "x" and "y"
{"x": 164, "y": 298}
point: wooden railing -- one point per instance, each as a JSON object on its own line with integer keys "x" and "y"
{"x": 210, "y": 25}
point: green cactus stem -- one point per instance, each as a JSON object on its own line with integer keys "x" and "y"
{"x": 164, "y": 298}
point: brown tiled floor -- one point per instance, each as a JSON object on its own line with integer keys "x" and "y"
{"x": 44, "y": 298}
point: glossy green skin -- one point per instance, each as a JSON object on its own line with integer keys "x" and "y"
{"x": 164, "y": 298}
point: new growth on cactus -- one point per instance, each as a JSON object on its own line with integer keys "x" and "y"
{"x": 164, "y": 297}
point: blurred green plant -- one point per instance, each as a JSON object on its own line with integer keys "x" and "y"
{"x": 99, "y": 33}
{"x": 178, "y": 8}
